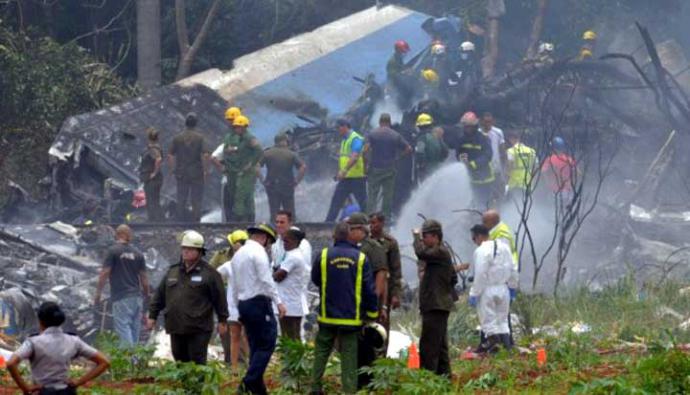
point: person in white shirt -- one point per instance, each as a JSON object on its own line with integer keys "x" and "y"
{"x": 292, "y": 276}
{"x": 283, "y": 221}
{"x": 254, "y": 292}
{"x": 494, "y": 274}
{"x": 498, "y": 142}
{"x": 238, "y": 338}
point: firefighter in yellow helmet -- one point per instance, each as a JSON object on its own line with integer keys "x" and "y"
{"x": 589, "y": 39}
{"x": 430, "y": 149}
{"x": 241, "y": 155}
{"x": 231, "y": 113}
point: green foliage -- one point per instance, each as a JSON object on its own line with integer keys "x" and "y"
{"x": 189, "y": 378}
{"x": 617, "y": 386}
{"x": 484, "y": 382}
{"x": 125, "y": 363}
{"x": 393, "y": 376}
{"x": 667, "y": 372}
{"x": 297, "y": 360}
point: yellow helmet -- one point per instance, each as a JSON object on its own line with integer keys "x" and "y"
{"x": 586, "y": 53}
{"x": 238, "y": 236}
{"x": 240, "y": 120}
{"x": 232, "y": 113}
{"x": 430, "y": 75}
{"x": 425, "y": 119}
{"x": 589, "y": 35}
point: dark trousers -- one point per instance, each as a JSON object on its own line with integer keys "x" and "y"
{"x": 189, "y": 191}
{"x": 381, "y": 182}
{"x": 345, "y": 188}
{"x": 228, "y": 201}
{"x": 433, "y": 344}
{"x": 281, "y": 197}
{"x": 290, "y": 327}
{"x": 190, "y": 347}
{"x": 152, "y": 189}
{"x": 256, "y": 315}
{"x": 366, "y": 355}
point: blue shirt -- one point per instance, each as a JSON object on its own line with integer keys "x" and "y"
{"x": 357, "y": 144}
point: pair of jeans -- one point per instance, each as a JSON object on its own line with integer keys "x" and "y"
{"x": 345, "y": 188}
{"x": 127, "y": 313}
{"x": 256, "y": 314}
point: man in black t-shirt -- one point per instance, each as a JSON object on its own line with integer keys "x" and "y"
{"x": 125, "y": 269}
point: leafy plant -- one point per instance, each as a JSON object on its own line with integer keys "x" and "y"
{"x": 190, "y": 377}
{"x": 484, "y": 382}
{"x": 297, "y": 359}
{"x": 667, "y": 372}
{"x": 125, "y": 362}
{"x": 392, "y": 376}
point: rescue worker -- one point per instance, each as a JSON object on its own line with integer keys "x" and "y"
{"x": 396, "y": 63}
{"x": 189, "y": 157}
{"x": 545, "y": 54}
{"x": 280, "y": 182}
{"x": 345, "y": 282}
{"x": 377, "y": 222}
{"x": 235, "y": 342}
{"x": 494, "y": 273}
{"x": 242, "y": 152}
{"x": 125, "y": 269}
{"x": 559, "y": 169}
{"x": 589, "y": 39}
{"x": 431, "y": 150}
{"x": 498, "y": 146}
{"x": 474, "y": 150}
{"x": 151, "y": 176}
{"x": 376, "y": 255}
{"x": 292, "y": 276}
{"x": 385, "y": 147}
{"x": 520, "y": 166}
{"x": 400, "y": 82}
{"x": 351, "y": 176}
{"x": 218, "y": 155}
{"x": 189, "y": 293}
{"x": 254, "y": 292}
{"x": 430, "y": 83}
{"x": 436, "y": 290}
{"x": 469, "y": 65}
{"x": 236, "y": 240}
{"x": 50, "y": 354}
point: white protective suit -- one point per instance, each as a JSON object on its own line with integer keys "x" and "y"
{"x": 494, "y": 272}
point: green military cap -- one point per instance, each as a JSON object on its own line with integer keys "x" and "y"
{"x": 358, "y": 219}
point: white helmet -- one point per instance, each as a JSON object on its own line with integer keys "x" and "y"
{"x": 467, "y": 46}
{"x": 545, "y": 47}
{"x": 375, "y": 335}
{"x": 192, "y": 239}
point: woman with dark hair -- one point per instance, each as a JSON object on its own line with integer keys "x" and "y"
{"x": 50, "y": 354}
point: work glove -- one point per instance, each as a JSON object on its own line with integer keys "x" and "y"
{"x": 513, "y": 293}
{"x": 472, "y": 301}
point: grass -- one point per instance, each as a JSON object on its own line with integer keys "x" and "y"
{"x": 633, "y": 346}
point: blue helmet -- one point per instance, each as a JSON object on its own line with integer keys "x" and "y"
{"x": 558, "y": 143}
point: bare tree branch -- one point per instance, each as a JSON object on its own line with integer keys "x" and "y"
{"x": 187, "y": 52}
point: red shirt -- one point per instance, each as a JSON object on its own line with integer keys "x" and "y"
{"x": 558, "y": 170}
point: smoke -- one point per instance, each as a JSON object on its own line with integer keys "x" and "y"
{"x": 388, "y": 104}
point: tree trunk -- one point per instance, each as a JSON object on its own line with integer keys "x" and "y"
{"x": 537, "y": 27}
{"x": 188, "y": 52}
{"x": 148, "y": 43}
{"x": 489, "y": 61}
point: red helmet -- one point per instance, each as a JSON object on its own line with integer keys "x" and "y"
{"x": 139, "y": 199}
{"x": 402, "y": 46}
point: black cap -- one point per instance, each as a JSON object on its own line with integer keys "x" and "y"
{"x": 342, "y": 122}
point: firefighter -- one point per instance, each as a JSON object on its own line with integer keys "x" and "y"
{"x": 431, "y": 150}
{"x": 241, "y": 155}
{"x": 474, "y": 150}
{"x": 521, "y": 162}
{"x": 344, "y": 278}
{"x": 589, "y": 39}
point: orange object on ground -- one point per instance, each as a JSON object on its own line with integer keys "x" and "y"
{"x": 541, "y": 357}
{"x": 2, "y": 362}
{"x": 413, "y": 357}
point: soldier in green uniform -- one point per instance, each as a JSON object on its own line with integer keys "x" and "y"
{"x": 377, "y": 221}
{"x": 242, "y": 152}
{"x": 376, "y": 255}
{"x": 190, "y": 292}
{"x": 436, "y": 294}
{"x": 189, "y": 157}
{"x": 152, "y": 177}
{"x": 280, "y": 181}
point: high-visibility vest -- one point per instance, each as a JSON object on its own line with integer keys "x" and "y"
{"x": 524, "y": 160}
{"x": 357, "y": 170}
{"x": 502, "y": 231}
{"x": 323, "y": 313}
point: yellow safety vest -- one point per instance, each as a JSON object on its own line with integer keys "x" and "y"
{"x": 502, "y": 231}
{"x": 524, "y": 159}
{"x": 323, "y": 316}
{"x": 357, "y": 170}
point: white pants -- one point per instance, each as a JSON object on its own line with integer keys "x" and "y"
{"x": 493, "y": 309}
